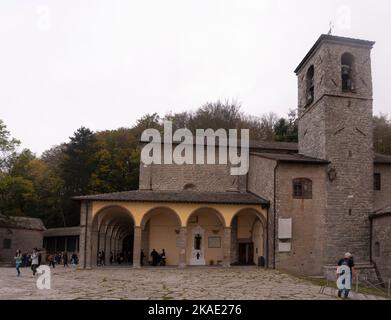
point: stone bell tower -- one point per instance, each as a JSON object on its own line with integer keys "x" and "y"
{"x": 335, "y": 123}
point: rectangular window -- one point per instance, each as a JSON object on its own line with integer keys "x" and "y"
{"x": 7, "y": 244}
{"x": 377, "y": 181}
{"x": 302, "y": 188}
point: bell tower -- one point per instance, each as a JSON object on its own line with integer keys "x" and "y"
{"x": 335, "y": 124}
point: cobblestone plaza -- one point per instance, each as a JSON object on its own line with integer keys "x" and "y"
{"x": 197, "y": 283}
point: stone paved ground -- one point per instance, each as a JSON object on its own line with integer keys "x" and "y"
{"x": 161, "y": 283}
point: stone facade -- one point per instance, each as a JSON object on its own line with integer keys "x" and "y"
{"x": 307, "y": 234}
{"x": 192, "y": 177}
{"x": 382, "y": 196}
{"x": 381, "y": 245}
{"x": 19, "y": 233}
{"x": 307, "y": 254}
{"x": 337, "y": 126}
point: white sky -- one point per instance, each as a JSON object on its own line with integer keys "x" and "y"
{"x": 103, "y": 64}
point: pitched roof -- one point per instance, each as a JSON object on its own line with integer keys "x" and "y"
{"x": 333, "y": 39}
{"x": 382, "y": 212}
{"x": 57, "y": 232}
{"x": 286, "y": 146}
{"x": 253, "y": 144}
{"x": 382, "y": 159}
{"x": 291, "y": 158}
{"x": 180, "y": 196}
{"x": 21, "y": 223}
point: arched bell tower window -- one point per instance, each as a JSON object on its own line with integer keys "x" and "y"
{"x": 310, "y": 92}
{"x": 347, "y": 64}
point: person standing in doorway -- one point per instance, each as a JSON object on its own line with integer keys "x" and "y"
{"x": 103, "y": 262}
{"x": 142, "y": 256}
{"x": 155, "y": 257}
{"x": 18, "y": 261}
{"x": 34, "y": 261}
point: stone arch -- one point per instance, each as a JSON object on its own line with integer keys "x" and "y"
{"x": 347, "y": 72}
{"x": 215, "y": 211}
{"x": 206, "y": 229}
{"x": 310, "y": 85}
{"x": 117, "y": 218}
{"x": 248, "y": 237}
{"x": 160, "y": 228}
{"x": 147, "y": 215}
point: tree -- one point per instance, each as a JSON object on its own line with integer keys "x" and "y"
{"x": 8, "y": 146}
{"x": 77, "y": 168}
{"x": 382, "y": 134}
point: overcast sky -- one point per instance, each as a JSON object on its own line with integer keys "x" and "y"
{"x": 103, "y": 64}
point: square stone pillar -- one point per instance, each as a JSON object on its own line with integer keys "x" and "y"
{"x": 85, "y": 244}
{"x": 227, "y": 247}
{"x": 182, "y": 245}
{"x": 137, "y": 247}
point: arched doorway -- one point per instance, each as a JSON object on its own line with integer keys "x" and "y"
{"x": 248, "y": 244}
{"x": 205, "y": 233}
{"x": 112, "y": 234}
{"x": 160, "y": 228}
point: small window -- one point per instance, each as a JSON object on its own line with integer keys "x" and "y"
{"x": 7, "y": 244}
{"x": 302, "y": 188}
{"x": 347, "y": 61}
{"x": 310, "y": 91}
{"x": 377, "y": 181}
{"x": 377, "y": 249}
{"x": 189, "y": 187}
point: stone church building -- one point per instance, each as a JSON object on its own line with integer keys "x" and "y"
{"x": 299, "y": 208}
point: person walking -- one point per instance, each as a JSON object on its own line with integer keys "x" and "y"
{"x": 18, "y": 261}
{"x": 348, "y": 261}
{"x": 65, "y": 259}
{"x": 51, "y": 261}
{"x": 74, "y": 259}
{"x": 34, "y": 261}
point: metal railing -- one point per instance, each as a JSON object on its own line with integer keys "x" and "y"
{"x": 379, "y": 287}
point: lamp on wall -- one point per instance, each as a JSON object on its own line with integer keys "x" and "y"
{"x": 215, "y": 231}
{"x": 177, "y": 231}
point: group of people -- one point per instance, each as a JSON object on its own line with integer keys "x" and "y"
{"x": 158, "y": 259}
{"x": 62, "y": 258}
{"x": 27, "y": 260}
{"x": 34, "y": 260}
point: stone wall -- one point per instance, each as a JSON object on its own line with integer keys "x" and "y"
{"x": 337, "y": 127}
{"x": 308, "y": 218}
{"x": 261, "y": 182}
{"x": 200, "y": 178}
{"x": 382, "y": 238}
{"x": 382, "y": 198}
{"x": 22, "y": 239}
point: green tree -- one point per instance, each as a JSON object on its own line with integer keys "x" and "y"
{"x": 8, "y": 147}
{"x": 382, "y": 134}
{"x": 77, "y": 168}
